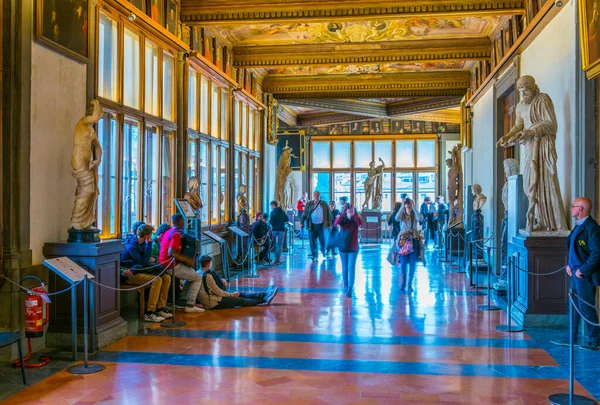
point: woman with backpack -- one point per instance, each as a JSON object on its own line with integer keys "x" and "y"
{"x": 408, "y": 242}
{"x": 349, "y": 221}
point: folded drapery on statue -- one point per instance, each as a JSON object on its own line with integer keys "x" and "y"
{"x": 84, "y": 209}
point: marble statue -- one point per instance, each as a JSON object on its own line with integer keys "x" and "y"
{"x": 373, "y": 185}
{"x": 87, "y": 155}
{"x": 511, "y": 168}
{"x": 535, "y": 130}
{"x": 479, "y": 199}
{"x": 283, "y": 172}
{"x": 455, "y": 184}
{"x": 242, "y": 200}
{"x": 193, "y": 194}
{"x": 288, "y": 202}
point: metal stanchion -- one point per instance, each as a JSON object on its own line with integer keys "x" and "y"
{"x": 571, "y": 398}
{"x": 509, "y": 294}
{"x": 476, "y": 276}
{"x": 172, "y": 323}
{"x": 489, "y": 306}
{"x": 74, "y": 322}
{"x": 85, "y": 368}
{"x": 251, "y": 262}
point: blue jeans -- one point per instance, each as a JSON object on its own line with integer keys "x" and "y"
{"x": 587, "y": 292}
{"x": 405, "y": 261}
{"x": 348, "y": 270}
{"x": 278, "y": 239}
{"x": 317, "y": 232}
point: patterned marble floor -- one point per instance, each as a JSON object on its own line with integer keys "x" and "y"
{"x": 314, "y": 346}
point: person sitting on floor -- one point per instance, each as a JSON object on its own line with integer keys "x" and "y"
{"x": 214, "y": 294}
{"x": 260, "y": 232}
{"x": 136, "y": 269}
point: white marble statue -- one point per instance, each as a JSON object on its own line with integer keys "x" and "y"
{"x": 511, "y": 168}
{"x": 455, "y": 184}
{"x": 479, "y": 199}
{"x": 288, "y": 202}
{"x": 535, "y": 130}
{"x": 283, "y": 172}
{"x": 372, "y": 185}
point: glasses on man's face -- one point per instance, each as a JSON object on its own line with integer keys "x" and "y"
{"x": 576, "y": 206}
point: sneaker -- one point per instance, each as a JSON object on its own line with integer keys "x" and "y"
{"x": 164, "y": 313}
{"x": 193, "y": 310}
{"x": 271, "y": 295}
{"x": 153, "y": 317}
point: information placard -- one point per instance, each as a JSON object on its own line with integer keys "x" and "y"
{"x": 67, "y": 269}
{"x": 237, "y": 231}
{"x": 214, "y": 237}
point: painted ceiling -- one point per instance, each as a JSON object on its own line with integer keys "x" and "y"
{"x": 358, "y": 31}
{"x": 373, "y": 68}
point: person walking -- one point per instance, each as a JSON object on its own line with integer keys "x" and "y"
{"x": 392, "y": 221}
{"x": 349, "y": 221}
{"x": 334, "y": 214}
{"x": 583, "y": 267}
{"x": 317, "y": 218}
{"x": 300, "y": 206}
{"x": 409, "y": 220}
{"x": 277, "y": 219}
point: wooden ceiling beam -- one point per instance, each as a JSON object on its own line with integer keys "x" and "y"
{"x": 227, "y": 12}
{"x": 362, "y": 53}
{"x": 408, "y": 107}
{"x": 364, "y": 109}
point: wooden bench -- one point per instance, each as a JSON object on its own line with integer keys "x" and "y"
{"x": 142, "y": 296}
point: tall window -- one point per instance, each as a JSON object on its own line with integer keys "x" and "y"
{"x": 340, "y": 168}
{"x": 131, "y": 170}
{"x": 107, "y": 58}
{"x": 151, "y": 175}
{"x": 107, "y": 172}
{"x": 131, "y": 69}
{"x": 151, "y": 76}
{"x": 192, "y": 99}
{"x": 167, "y": 176}
{"x": 204, "y": 106}
{"x": 168, "y": 85}
{"x": 214, "y": 112}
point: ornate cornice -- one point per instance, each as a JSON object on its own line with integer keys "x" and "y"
{"x": 403, "y": 108}
{"x": 371, "y": 85}
{"x": 363, "y": 108}
{"x": 364, "y": 53}
{"x": 327, "y": 118}
{"x": 219, "y": 12}
{"x": 287, "y": 116}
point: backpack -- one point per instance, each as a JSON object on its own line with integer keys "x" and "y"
{"x": 217, "y": 279}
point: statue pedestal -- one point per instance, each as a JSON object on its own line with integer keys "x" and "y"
{"x": 540, "y": 301}
{"x": 243, "y": 222}
{"x": 102, "y": 259}
{"x": 371, "y": 227}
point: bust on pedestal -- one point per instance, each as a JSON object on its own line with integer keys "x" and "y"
{"x": 477, "y": 260}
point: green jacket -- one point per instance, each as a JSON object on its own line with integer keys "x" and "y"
{"x": 310, "y": 206}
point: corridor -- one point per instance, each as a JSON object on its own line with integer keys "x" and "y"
{"x": 315, "y": 346}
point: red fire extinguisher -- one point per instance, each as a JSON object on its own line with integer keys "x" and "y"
{"x": 34, "y": 320}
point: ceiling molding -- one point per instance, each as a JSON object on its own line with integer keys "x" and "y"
{"x": 381, "y": 52}
{"x": 354, "y": 107}
{"x": 435, "y": 116}
{"x": 407, "y": 107}
{"x": 413, "y": 84}
{"x": 327, "y": 118}
{"x": 287, "y": 116}
{"x": 221, "y": 12}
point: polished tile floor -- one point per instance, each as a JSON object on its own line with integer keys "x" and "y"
{"x": 314, "y": 346}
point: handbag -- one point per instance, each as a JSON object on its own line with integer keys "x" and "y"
{"x": 407, "y": 248}
{"x": 338, "y": 238}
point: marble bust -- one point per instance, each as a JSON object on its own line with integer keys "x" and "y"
{"x": 511, "y": 168}
{"x": 479, "y": 199}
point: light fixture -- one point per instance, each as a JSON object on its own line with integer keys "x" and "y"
{"x": 559, "y": 3}
{"x": 131, "y": 17}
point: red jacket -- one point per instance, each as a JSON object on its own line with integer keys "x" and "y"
{"x": 300, "y": 205}
{"x": 349, "y": 225}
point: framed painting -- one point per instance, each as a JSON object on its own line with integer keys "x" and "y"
{"x": 376, "y": 127}
{"x": 345, "y": 129}
{"x": 429, "y": 127}
{"x": 196, "y": 39}
{"x": 172, "y": 13}
{"x": 507, "y": 35}
{"x": 295, "y": 139}
{"x": 407, "y": 127}
{"x": 63, "y": 25}
{"x": 418, "y": 127}
{"x": 396, "y": 127}
{"x": 356, "y": 128}
{"x": 139, "y": 4}
{"x": 589, "y": 23}
{"x": 155, "y": 9}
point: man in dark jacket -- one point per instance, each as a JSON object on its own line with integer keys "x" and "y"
{"x": 584, "y": 269}
{"x": 260, "y": 232}
{"x": 317, "y": 218}
{"x": 277, "y": 219}
{"x": 136, "y": 269}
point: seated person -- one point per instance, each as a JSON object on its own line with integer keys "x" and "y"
{"x": 213, "y": 294}
{"x": 260, "y": 231}
{"x": 160, "y": 231}
{"x": 138, "y": 255}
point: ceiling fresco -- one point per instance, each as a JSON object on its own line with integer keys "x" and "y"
{"x": 374, "y": 68}
{"x": 358, "y": 31}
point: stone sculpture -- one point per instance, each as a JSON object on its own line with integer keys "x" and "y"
{"x": 455, "y": 184}
{"x": 193, "y": 194}
{"x": 242, "y": 200}
{"x": 373, "y": 185}
{"x": 288, "y": 203}
{"x": 535, "y": 130}
{"x": 283, "y": 172}
{"x": 86, "y": 157}
{"x": 479, "y": 199}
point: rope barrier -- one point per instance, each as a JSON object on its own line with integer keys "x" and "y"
{"x": 540, "y": 274}
{"x": 140, "y": 286}
{"x": 579, "y": 312}
{"x": 26, "y": 290}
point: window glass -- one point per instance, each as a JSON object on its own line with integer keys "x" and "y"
{"x": 214, "y": 112}
{"x": 107, "y": 174}
{"x": 321, "y": 182}
{"x": 236, "y": 178}
{"x": 251, "y": 185}
{"x": 321, "y": 155}
{"x": 244, "y": 140}
{"x": 341, "y": 186}
{"x": 191, "y": 158}
{"x": 405, "y": 186}
{"x": 341, "y": 155}
{"x": 426, "y": 153}
{"x": 251, "y": 129}
{"x": 168, "y": 86}
{"x": 387, "y": 196}
{"x": 224, "y": 134}
{"x": 359, "y": 188}
{"x": 405, "y": 153}
{"x": 214, "y": 197}
{"x": 363, "y": 152}
{"x": 203, "y": 156}
{"x": 223, "y": 182}
{"x": 168, "y": 164}
{"x": 107, "y": 58}
{"x": 131, "y": 166}
{"x": 131, "y": 69}
{"x": 150, "y": 186}
{"x": 237, "y": 124}
{"x": 193, "y": 99}
{"x": 244, "y": 160}
{"x": 204, "y": 91}
{"x": 427, "y": 183}
{"x": 383, "y": 150}
{"x": 151, "y": 79}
